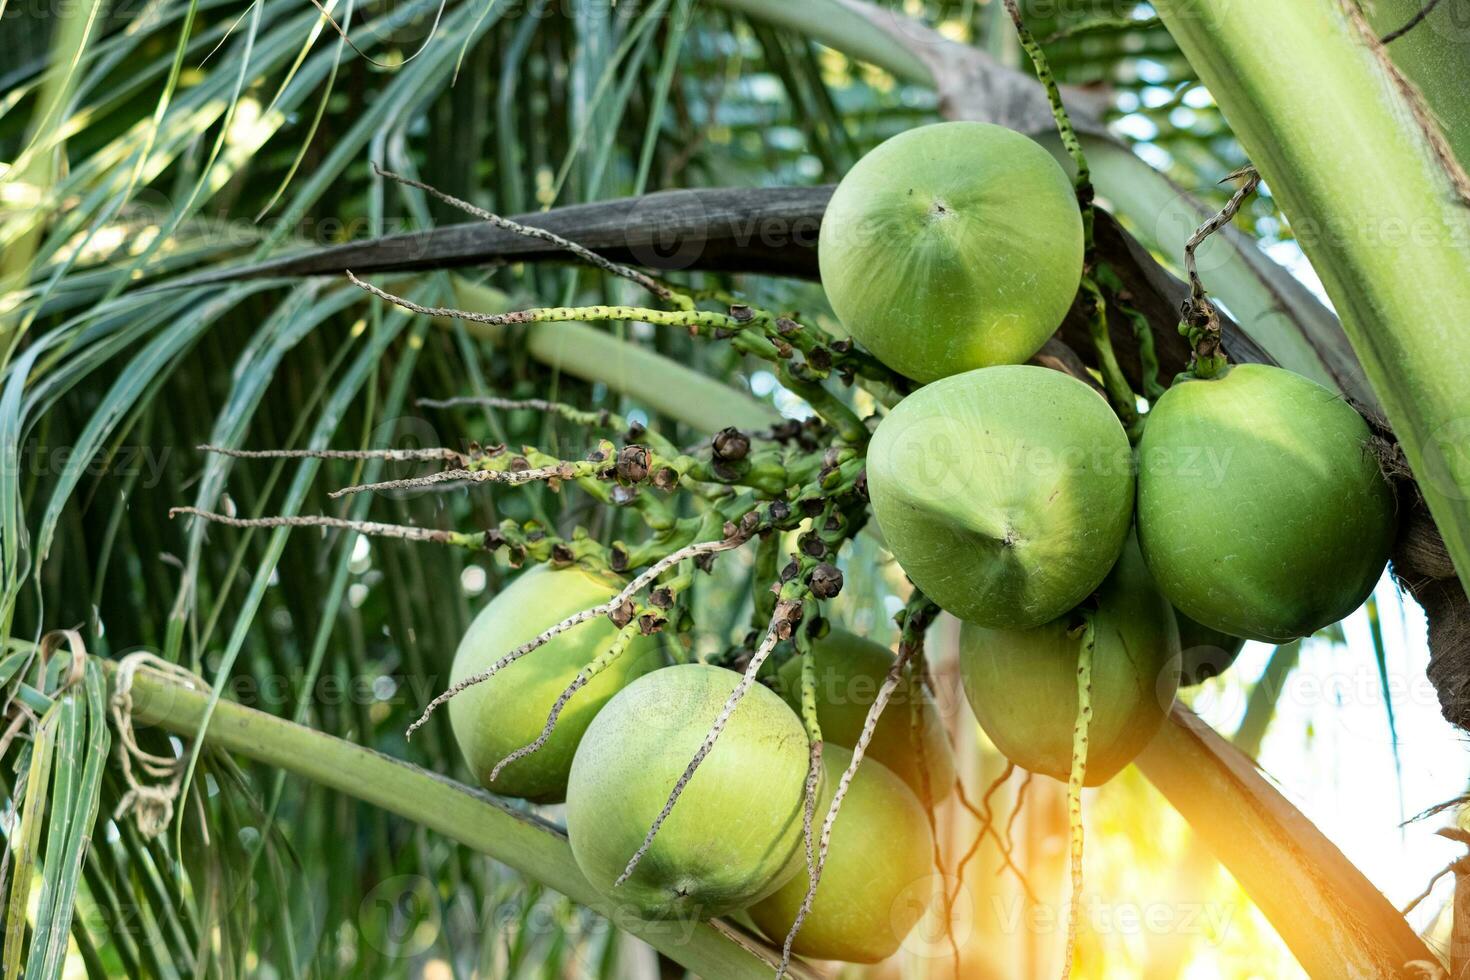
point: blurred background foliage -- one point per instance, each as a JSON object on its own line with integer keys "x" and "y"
{"x": 144, "y": 140}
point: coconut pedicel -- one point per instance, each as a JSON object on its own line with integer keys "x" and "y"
{"x": 951, "y": 247}
{"x": 1004, "y": 493}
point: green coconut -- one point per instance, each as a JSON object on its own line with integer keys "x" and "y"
{"x": 952, "y": 247}
{"x": 1261, "y": 511}
{"x": 1005, "y": 493}
{"x": 850, "y": 670}
{"x": 735, "y": 834}
{"x": 497, "y": 716}
{"x": 1204, "y": 653}
{"x": 878, "y": 861}
{"x": 1023, "y": 685}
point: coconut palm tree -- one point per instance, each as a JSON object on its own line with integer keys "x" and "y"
{"x": 205, "y": 767}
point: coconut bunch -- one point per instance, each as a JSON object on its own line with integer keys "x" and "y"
{"x": 1097, "y": 554}
{"x": 1244, "y": 505}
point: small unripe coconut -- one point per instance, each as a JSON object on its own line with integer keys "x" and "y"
{"x": 952, "y": 247}
{"x": 1261, "y": 511}
{"x": 878, "y": 862}
{"x": 734, "y": 835}
{"x": 1004, "y": 493}
{"x": 497, "y": 716}
{"x": 1204, "y": 652}
{"x": 1023, "y": 685}
{"x": 850, "y": 670}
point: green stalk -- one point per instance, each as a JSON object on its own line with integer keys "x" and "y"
{"x": 1075, "y": 779}
{"x": 518, "y": 840}
{"x": 1270, "y": 305}
{"x": 1377, "y": 210}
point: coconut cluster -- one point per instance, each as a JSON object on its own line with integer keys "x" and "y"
{"x": 1012, "y": 497}
{"x": 1250, "y": 508}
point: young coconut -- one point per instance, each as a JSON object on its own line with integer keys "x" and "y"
{"x": 1204, "y": 652}
{"x": 1004, "y": 493}
{"x": 1261, "y": 511}
{"x": 952, "y": 247}
{"x": 850, "y": 670}
{"x": 1023, "y": 685}
{"x": 880, "y": 847}
{"x": 735, "y": 834}
{"x": 494, "y": 718}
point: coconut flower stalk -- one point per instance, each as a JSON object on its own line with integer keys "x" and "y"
{"x": 1384, "y": 217}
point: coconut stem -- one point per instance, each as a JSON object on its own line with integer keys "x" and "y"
{"x": 1200, "y": 321}
{"x": 600, "y": 419}
{"x": 515, "y": 478}
{"x": 1143, "y": 333}
{"x": 404, "y": 532}
{"x": 1083, "y": 179}
{"x": 704, "y": 319}
{"x": 427, "y": 455}
{"x": 1120, "y": 393}
{"x": 1075, "y": 780}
